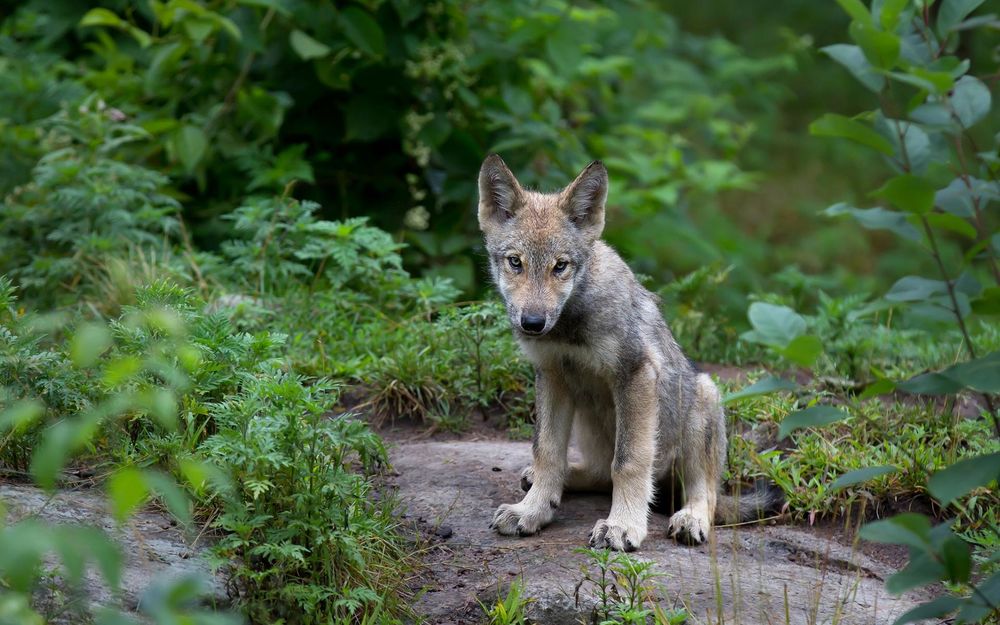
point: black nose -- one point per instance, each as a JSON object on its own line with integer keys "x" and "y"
{"x": 532, "y": 323}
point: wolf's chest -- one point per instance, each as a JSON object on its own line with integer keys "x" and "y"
{"x": 596, "y": 358}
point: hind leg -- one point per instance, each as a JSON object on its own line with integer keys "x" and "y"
{"x": 701, "y": 463}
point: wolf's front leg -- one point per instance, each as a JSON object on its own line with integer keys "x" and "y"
{"x": 636, "y": 422}
{"x": 554, "y": 420}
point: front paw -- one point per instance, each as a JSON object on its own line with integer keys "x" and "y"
{"x": 618, "y": 537}
{"x": 689, "y": 527}
{"x": 519, "y": 520}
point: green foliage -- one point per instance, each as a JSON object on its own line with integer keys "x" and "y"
{"x": 81, "y": 203}
{"x": 510, "y": 609}
{"x": 623, "y": 589}
{"x": 305, "y": 539}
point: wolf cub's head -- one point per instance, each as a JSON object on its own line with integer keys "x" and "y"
{"x": 538, "y": 243}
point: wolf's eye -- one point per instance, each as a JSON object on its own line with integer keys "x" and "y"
{"x": 560, "y": 266}
{"x": 514, "y": 262}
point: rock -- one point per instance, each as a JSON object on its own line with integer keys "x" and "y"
{"x": 154, "y": 547}
{"x": 753, "y": 567}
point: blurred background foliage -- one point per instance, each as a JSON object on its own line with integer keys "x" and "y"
{"x": 386, "y": 108}
{"x": 224, "y": 222}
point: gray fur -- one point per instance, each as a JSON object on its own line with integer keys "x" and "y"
{"x": 605, "y": 361}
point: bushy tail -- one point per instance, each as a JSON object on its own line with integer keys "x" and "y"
{"x": 765, "y": 499}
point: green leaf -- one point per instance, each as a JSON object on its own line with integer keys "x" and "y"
{"x": 881, "y": 48}
{"x": 832, "y": 125}
{"x": 190, "y": 144}
{"x": 764, "y": 386}
{"x": 970, "y": 100}
{"x": 889, "y": 15}
{"x": 963, "y": 477}
{"x": 988, "y": 302}
{"x": 877, "y": 219}
{"x": 20, "y": 414}
{"x": 852, "y": 58}
{"x": 907, "y": 192}
{"x": 279, "y": 6}
{"x": 803, "y": 350}
{"x": 857, "y": 11}
{"x": 952, "y": 12}
{"x": 102, "y": 17}
{"x": 910, "y": 529}
{"x": 127, "y": 490}
{"x": 306, "y": 47}
{"x": 173, "y": 497}
{"x": 363, "y": 31}
{"x": 956, "y": 559}
{"x": 861, "y": 475}
{"x": 930, "y": 384}
{"x": 915, "y": 289}
{"x": 88, "y": 343}
{"x": 922, "y": 569}
{"x": 814, "y": 416}
{"x": 952, "y": 223}
{"x": 773, "y": 325}
{"x": 935, "y": 609}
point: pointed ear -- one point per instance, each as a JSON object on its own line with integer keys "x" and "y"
{"x": 499, "y": 193}
{"x": 583, "y": 200}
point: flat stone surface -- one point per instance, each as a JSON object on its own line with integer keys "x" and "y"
{"x": 748, "y": 572}
{"x": 154, "y": 547}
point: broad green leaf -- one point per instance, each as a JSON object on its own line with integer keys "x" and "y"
{"x": 857, "y": 10}
{"x": 931, "y": 114}
{"x": 280, "y": 6}
{"x": 171, "y": 494}
{"x": 190, "y": 144}
{"x": 952, "y": 12}
{"x": 981, "y": 374}
{"x": 889, "y": 15}
{"x": 814, "y": 416}
{"x": 915, "y": 289}
{"x": 921, "y": 570}
{"x": 363, "y": 31}
{"x": 88, "y": 343}
{"x": 20, "y": 414}
{"x": 764, "y": 386}
{"x": 988, "y": 303}
{"x": 306, "y": 47}
{"x": 803, "y": 350}
{"x": 852, "y": 58}
{"x": 930, "y": 384}
{"x": 961, "y": 478}
{"x": 879, "y": 387}
{"x": 832, "y": 125}
{"x": 934, "y": 609}
{"x": 877, "y": 219}
{"x": 910, "y": 529}
{"x": 861, "y": 475}
{"x": 908, "y": 139}
{"x": 101, "y": 17}
{"x": 970, "y": 100}
{"x": 881, "y": 48}
{"x": 563, "y": 48}
{"x": 773, "y": 325}
{"x": 956, "y": 559}
{"x": 907, "y": 192}
{"x": 921, "y": 78}
{"x": 952, "y": 223}
{"x": 127, "y": 490}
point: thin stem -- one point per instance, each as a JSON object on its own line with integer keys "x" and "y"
{"x": 958, "y": 314}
